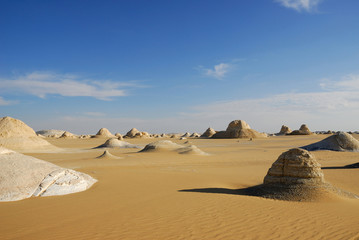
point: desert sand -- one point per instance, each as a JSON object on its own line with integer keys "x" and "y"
{"x": 166, "y": 195}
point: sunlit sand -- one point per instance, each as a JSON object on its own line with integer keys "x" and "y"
{"x": 161, "y": 194}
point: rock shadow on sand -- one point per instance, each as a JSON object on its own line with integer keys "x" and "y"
{"x": 350, "y": 166}
{"x": 294, "y": 176}
{"x": 297, "y": 194}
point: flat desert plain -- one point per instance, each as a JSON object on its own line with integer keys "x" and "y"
{"x": 166, "y": 195}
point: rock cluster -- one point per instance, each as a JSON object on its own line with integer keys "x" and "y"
{"x": 284, "y": 130}
{"x": 303, "y": 130}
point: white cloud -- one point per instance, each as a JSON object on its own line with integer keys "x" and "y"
{"x": 94, "y": 114}
{"x": 219, "y": 71}
{"x": 299, "y": 5}
{"x": 4, "y": 102}
{"x": 42, "y": 84}
{"x": 347, "y": 83}
{"x": 335, "y": 107}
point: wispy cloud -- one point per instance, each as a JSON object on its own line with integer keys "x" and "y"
{"x": 94, "y": 114}
{"x": 347, "y": 83}
{"x": 300, "y": 5}
{"x": 219, "y": 71}
{"x": 42, "y": 84}
{"x": 4, "y": 102}
{"x": 336, "y": 107}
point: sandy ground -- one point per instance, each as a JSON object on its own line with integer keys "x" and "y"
{"x": 162, "y": 195}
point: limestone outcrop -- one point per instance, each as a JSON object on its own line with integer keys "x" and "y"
{"x": 239, "y": 129}
{"x": 296, "y": 166}
{"x": 169, "y": 146}
{"x": 104, "y": 133}
{"x": 16, "y": 135}
{"x": 341, "y": 141}
{"x": 116, "y": 143}
{"x": 303, "y": 130}
{"x": 284, "y": 130}
{"x": 208, "y": 133}
{"x": 23, "y": 176}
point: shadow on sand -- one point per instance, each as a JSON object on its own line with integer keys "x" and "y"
{"x": 350, "y": 166}
{"x": 257, "y": 191}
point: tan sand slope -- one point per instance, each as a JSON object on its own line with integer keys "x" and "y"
{"x": 16, "y": 135}
{"x": 23, "y": 176}
{"x": 169, "y": 196}
{"x": 338, "y": 142}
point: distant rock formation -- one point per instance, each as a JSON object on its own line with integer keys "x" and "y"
{"x": 187, "y": 134}
{"x": 303, "y": 130}
{"x": 284, "y": 131}
{"x": 132, "y": 133}
{"x": 107, "y": 155}
{"x": 338, "y": 142}
{"x": 119, "y": 136}
{"x": 104, "y": 133}
{"x": 16, "y": 135}
{"x": 116, "y": 143}
{"x": 195, "y": 135}
{"x": 239, "y": 129}
{"x": 208, "y": 133}
{"x": 51, "y": 133}
{"x": 166, "y": 145}
{"x": 68, "y": 135}
{"x": 24, "y": 176}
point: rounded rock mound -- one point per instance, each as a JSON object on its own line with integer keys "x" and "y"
{"x": 132, "y": 133}
{"x": 24, "y": 176}
{"x": 107, "y": 155}
{"x": 161, "y": 145}
{"x": 296, "y": 166}
{"x": 239, "y": 129}
{"x": 208, "y": 133}
{"x": 116, "y": 143}
{"x": 169, "y": 146}
{"x": 51, "y": 133}
{"x": 16, "y": 135}
{"x": 284, "y": 130}
{"x": 104, "y": 133}
{"x": 297, "y": 176}
{"x": 338, "y": 142}
{"x": 67, "y": 134}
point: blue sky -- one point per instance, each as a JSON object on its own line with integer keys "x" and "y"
{"x": 175, "y": 66}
